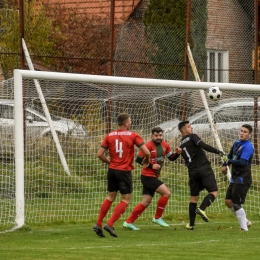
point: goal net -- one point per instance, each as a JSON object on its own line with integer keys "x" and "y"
{"x": 34, "y": 184}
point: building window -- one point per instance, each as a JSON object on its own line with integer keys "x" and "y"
{"x": 217, "y": 66}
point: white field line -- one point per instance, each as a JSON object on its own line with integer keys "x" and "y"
{"x": 149, "y": 225}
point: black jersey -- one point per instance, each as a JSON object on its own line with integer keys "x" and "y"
{"x": 192, "y": 151}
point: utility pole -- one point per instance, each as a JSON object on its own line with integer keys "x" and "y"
{"x": 255, "y": 136}
{"x": 22, "y": 65}
{"x": 21, "y": 16}
{"x": 186, "y": 69}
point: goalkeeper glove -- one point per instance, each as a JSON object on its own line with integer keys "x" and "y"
{"x": 220, "y": 153}
{"x": 225, "y": 158}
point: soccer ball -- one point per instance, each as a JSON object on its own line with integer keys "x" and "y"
{"x": 214, "y": 93}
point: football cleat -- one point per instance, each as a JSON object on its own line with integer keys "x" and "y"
{"x": 160, "y": 222}
{"x": 202, "y": 214}
{"x": 249, "y": 223}
{"x": 130, "y": 226}
{"x": 189, "y": 227}
{"x": 110, "y": 230}
{"x": 98, "y": 230}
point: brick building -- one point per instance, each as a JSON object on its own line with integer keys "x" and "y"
{"x": 229, "y": 43}
{"x": 101, "y": 8}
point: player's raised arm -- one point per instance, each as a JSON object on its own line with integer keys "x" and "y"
{"x": 209, "y": 148}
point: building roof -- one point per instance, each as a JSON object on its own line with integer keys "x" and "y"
{"x": 98, "y": 8}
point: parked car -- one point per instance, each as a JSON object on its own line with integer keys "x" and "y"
{"x": 228, "y": 117}
{"x": 36, "y": 123}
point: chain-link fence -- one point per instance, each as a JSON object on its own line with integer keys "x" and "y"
{"x": 133, "y": 38}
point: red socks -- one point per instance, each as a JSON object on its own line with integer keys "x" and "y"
{"x": 121, "y": 208}
{"x": 161, "y": 204}
{"x": 137, "y": 211}
{"x": 118, "y": 212}
{"x": 103, "y": 211}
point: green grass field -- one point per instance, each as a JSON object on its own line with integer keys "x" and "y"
{"x": 218, "y": 239}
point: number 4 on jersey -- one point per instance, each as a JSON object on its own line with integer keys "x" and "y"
{"x": 119, "y": 148}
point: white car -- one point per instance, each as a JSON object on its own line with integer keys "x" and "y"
{"x": 228, "y": 117}
{"x": 36, "y": 123}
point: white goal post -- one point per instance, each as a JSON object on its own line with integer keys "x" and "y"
{"x": 126, "y": 90}
{"x": 45, "y": 109}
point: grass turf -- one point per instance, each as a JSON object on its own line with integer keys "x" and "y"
{"x": 217, "y": 239}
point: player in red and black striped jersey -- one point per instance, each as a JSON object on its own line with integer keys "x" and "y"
{"x": 201, "y": 175}
{"x": 120, "y": 144}
{"x": 159, "y": 149}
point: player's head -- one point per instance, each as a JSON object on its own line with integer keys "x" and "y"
{"x": 245, "y": 132}
{"x": 157, "y": 135}
{"x": 124, "y": 120}
{"x": 185, "y": 128}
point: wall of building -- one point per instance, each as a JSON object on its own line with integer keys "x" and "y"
{"x": 230, "y": 28}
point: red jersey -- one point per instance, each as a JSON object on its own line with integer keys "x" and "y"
{"x": 158, "y": 153}
{"x": 120, "y": 144}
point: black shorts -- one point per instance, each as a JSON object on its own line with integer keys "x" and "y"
{"x": 118, "y": 180}
{"x": 237, "y": 192}
{"x": 150, "y": 184}
{"x": 202, "y": 178}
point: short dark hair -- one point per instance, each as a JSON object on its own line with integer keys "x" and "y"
{"x": 157, "y": 130}
{"x": 249, "y": 127}
{"x": 182, "y": 124}
{"x": 121, "y": 119}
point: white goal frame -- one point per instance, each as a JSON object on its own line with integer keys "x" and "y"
{"x": 57, "y": 76}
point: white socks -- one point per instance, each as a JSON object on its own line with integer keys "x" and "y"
{"x": 241, "y": 217}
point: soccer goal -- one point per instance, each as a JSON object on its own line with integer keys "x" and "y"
{"x": 34, "y": 185}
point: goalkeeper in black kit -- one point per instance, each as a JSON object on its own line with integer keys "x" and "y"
{"x": 201, "y": 175}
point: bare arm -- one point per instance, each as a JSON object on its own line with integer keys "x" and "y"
{"x": 146, "y": 152}
{"x": 101, "y": 155}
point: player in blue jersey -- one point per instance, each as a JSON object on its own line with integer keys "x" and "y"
{"x": 240, "y": 157}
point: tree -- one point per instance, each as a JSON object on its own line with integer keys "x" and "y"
{"x": 38, "y": 35}
{"x": 165, "y": 22}
{"x": 84, "y": 45}
{"x": 199, "y": 17}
